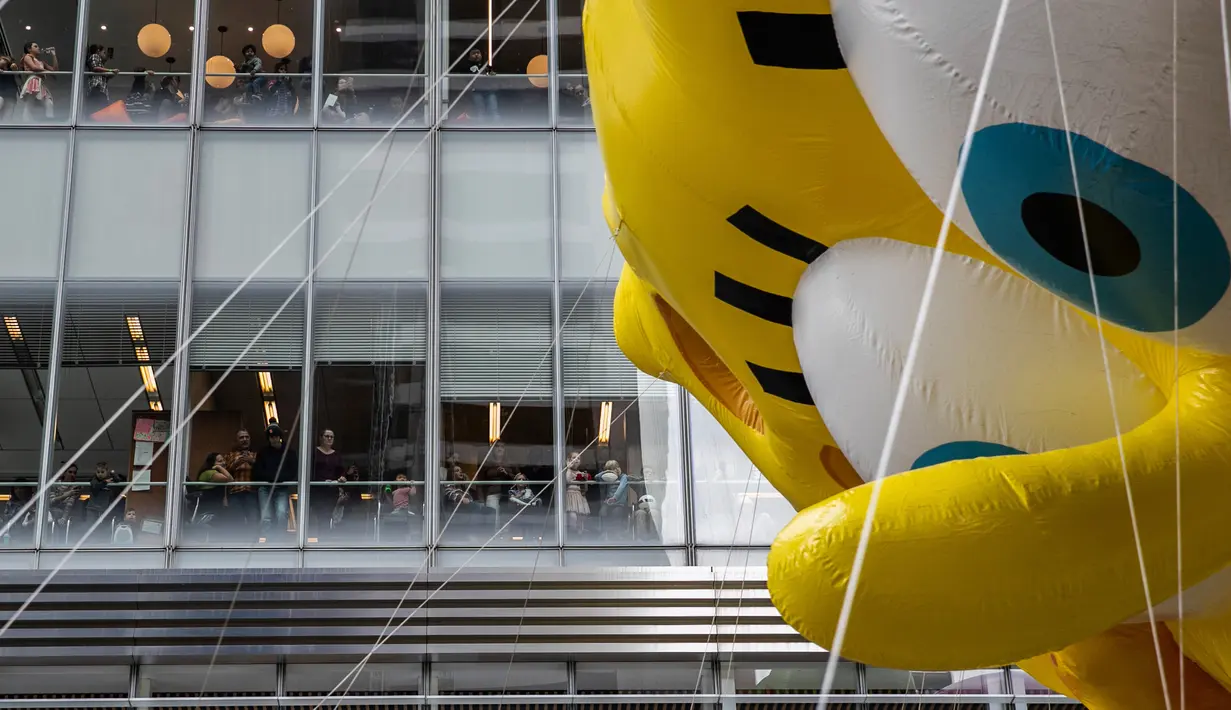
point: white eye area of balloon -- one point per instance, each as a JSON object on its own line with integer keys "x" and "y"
{"x": 1004, "y": 367}
{"x": 1039, "y": 197}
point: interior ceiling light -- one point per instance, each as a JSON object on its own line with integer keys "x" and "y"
{"x": 134, "y": 327}
{"x": 537, "y": 71}
{"x": 141, "y": 349}
{"x": 604, "y": 423}
{"x": 278, "y": 40}
{"x": 219, "y": 69}
{"x": 269, "y": 402}
{"x": 153, "y": 40}
{"x": 13, "y": 326}
{"x": 493, "y": 422}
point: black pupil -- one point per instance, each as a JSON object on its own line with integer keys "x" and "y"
{"x": 1055, "y": 223}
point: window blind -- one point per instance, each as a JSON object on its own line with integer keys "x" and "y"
{"x": 96, "y": 328}
{"x": 370, "y": 323}
{"x": 593, "y": 367}
{"x": 222, "y": 341}
{"x": 495, "y": 343}
{"x": 33, "y": 307}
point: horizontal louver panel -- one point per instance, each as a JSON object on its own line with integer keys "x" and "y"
{"x": 222, "y": 341}
{"x": 96, "y": 328}
{"x": 370, "y": 323}
{"x": 33, "y": 307}
{"x": 495, "y": 344}
{"x": 593, "y": 367}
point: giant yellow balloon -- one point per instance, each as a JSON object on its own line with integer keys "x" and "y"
{"x": 777, "y": 249}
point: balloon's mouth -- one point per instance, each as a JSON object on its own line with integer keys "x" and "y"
{"x": 710, "y": 370}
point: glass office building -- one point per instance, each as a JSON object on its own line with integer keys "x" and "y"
{"x": 304, "y": 285}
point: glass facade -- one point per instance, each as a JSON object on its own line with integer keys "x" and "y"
{"x": 421, "y": 367}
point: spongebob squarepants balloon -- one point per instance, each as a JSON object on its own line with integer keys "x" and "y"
{"x": 775, "y": 168}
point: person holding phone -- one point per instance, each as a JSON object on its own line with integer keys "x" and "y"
{"x": 34, "y": 88}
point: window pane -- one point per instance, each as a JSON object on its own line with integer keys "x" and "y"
{"x": 218, "y": 680}
{"x": 27, "y": 310}
{"x": 252, "y": 190}
{"x": 978, "y": 682}
{"x": 40, "y": 35}
{"x": 33, "y": 207}
{"x": 375, "y": 62}
{"x": 496, "y": 205}
{"x": 373, "y": 680}
{"x": 368, "y": 475}
{"x": 252, "y": 499}
{"x": 576, "y": 109}
{"x": 793, "y": 678}
{"x": 390, "y": 240}
{"x": 587, "y": 248}
{"x": 647, "y": 678}
{"x": 626, "y": 486}
{"x": 259, "y": 69}
{"x": 508, "y": 65}
{"x": 572, "y": 47}
{"x": 116, "y": 337}
{"x": 149, "y": 210}
{"x": 649, "y": 557}
{"x": 735, "y": 505}
{"x": 499, "y": 678}
{"x": 151, "y": 49}
{"x": 496, "y": 415}
{"x": 733, "y": 557}
{"x": 59, "y": 682}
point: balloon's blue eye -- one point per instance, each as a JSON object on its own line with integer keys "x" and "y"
{"x": 1019, "y": 188}
{"x": 962, "y": 450}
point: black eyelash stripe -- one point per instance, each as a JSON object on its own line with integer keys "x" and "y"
{"x": 791, "y": 41}
{"x": 767, "y": 232}
{"x": 753, "y": 301}
{"x": 782, "y": 384}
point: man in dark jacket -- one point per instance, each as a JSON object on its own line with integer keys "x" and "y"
{"x": 277, "y": 468}
{"x": 105, "y": 486}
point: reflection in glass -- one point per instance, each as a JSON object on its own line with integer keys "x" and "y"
{"x": 496, "y": 415}
{"x": 36, "y": 76}
{"x": 115, "y": 338}
{"x": 367, "y": 476}
{"x": 27, "y": 311}
{"x": 137, "y": 67}
{"x": 259, "y": 69}
{"x": 624, "y": 488}
{"x": 735, "y": 505}
{"x": 250, "y": 417}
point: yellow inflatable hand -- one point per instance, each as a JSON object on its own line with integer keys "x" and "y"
{"x": 742, "y": 160}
